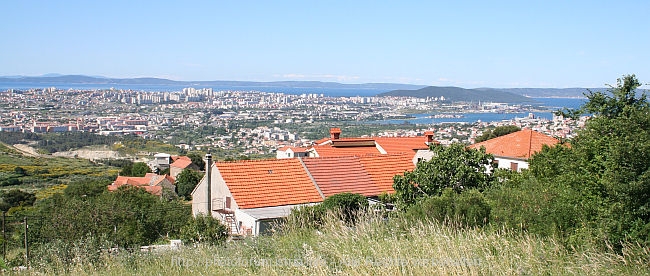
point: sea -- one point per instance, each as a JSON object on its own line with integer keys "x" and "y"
{"x": 551, "y": 104}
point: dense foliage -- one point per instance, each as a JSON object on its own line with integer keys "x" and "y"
{"x": 137, "y": 169}
{"x": 204, "y": 229}
{"x": 186, "y": 181}
{"x": 593, "y": 191}
{"x": 344, "y": 207}
{"x": 16, "y": 198}
{"x": 456, "y": 167}
{"x": 497, "y": 132}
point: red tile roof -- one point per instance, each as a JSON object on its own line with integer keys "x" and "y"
{"x": 182, "y": 162}
{"x": 150, "y": 182}
{"x": 521, "y": 144}
{"x": 330, "y": 151}
{"x": 267, "y": 183}
{"x": 382, "y": 169}
{"x": 357, "y": 146}
{"x": 402, "y": 144}
{"x": 337, "y": 175}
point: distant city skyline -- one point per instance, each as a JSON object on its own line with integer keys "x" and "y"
{"x": 501, "y": 44}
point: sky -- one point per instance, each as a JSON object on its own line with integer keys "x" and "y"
{"x": 500, "y": 44}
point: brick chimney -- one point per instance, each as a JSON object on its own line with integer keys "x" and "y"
{"x": 428, "y": 135}
{"x": 335, "y": 133}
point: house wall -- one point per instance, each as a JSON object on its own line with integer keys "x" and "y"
{"x": 174, "y": 171}
{"x": 425, "y": 155}
{"x": 247, "y": 222}
{"x": 506, "y": 163}
{"x": 219, "y": 192}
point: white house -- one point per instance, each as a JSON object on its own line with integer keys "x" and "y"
{"x": 513, "y": 150}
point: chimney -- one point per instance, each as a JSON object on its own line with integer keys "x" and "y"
{"x": 335, "y": 133}
{"x": 208, "y": 178}
{"x": 429, "y": 137}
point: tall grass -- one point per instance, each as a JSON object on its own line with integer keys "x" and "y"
{"x": 373, "y": 246}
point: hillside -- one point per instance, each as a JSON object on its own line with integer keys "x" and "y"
{"x": 457, "y": 94}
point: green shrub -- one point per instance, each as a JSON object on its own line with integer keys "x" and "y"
{"x": 469, "y": 208}
{"x": 343, "y": 207}
{"x": 204, "y": 229}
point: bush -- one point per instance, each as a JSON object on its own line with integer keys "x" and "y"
{"x": 204, "y": 229}
{"x": 465, "y": 209}
{"x": 343, "y": 207}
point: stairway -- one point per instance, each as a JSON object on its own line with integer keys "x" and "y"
{"x": 232, "y": 224}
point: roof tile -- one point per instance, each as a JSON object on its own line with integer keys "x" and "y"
{"x": 270, "y": 182}
{"x": 521, "y": 144}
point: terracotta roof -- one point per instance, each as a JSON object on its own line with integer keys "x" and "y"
{"x": 330, "y": 151}
{"x": 266, "y": 183}
{"x": 521, "y": 144}
{"x": 337, "y": 175}
{"x": 382, "y": 169}
{"x": 150, "y": 182}
{"x": 402, "y": 144}
{"x": 182, "y": 162}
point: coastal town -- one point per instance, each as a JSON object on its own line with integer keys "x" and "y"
{"x": 252, "y": 121}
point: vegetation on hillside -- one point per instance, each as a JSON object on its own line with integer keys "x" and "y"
{"x": 578, "y": 209}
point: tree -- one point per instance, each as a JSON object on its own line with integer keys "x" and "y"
{"x": 455, "y": 166}
{"x": 137, "y": 169}
{"x": 498, "y": 131}
{"x": 608, "y": 165}
{"x": 15, "y": 198}
{"x": 186, "y": 181}
{"x": 197, "y": 159}
{"x": 86, "y": 188}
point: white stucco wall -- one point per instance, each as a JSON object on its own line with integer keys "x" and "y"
{"x": 219, "y": 191}
{"x": 424, "y": 155}
{"x": 505, "y": 163}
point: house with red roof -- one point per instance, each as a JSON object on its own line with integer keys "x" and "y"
{"x": 181, "y": 163}
{"x": 513, "y": 150}
{"x": 155, "y": 184}
{"x": 415, "y": 146}
{"x": 249, "y": 196}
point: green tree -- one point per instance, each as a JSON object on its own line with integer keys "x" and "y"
{"x": 197, "y": 159}
{"x": 607, "y": 166}
{"x": 86, "y": 188}
{"x": 16, "y": 198}
{"x": 186, "y": 181}
{"x": 137, "y": 169}
{"x": 498, "y": 131}
{"x": 455, "y": 166}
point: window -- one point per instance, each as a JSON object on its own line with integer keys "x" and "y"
{"x": 514, "y": 166}
{"x": 227, "y": 202}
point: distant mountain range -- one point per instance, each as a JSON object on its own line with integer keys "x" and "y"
{"x": 81, "y": 79}
{"x": 510, "y": 95}
{"x": 457, "y": 94}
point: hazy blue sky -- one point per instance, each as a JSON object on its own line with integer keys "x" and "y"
{"x": 460, "y": 43}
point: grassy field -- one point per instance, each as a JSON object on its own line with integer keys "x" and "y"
{"x": 373, "y": 247}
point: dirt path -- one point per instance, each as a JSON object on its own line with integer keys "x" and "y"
{"x": 27, "y": 150}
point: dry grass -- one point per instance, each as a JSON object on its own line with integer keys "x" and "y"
{"x": 373, "y": 247}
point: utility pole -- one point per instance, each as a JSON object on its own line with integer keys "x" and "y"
{"x": 26, "y": 244}
{"x": 4, "y": 236}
